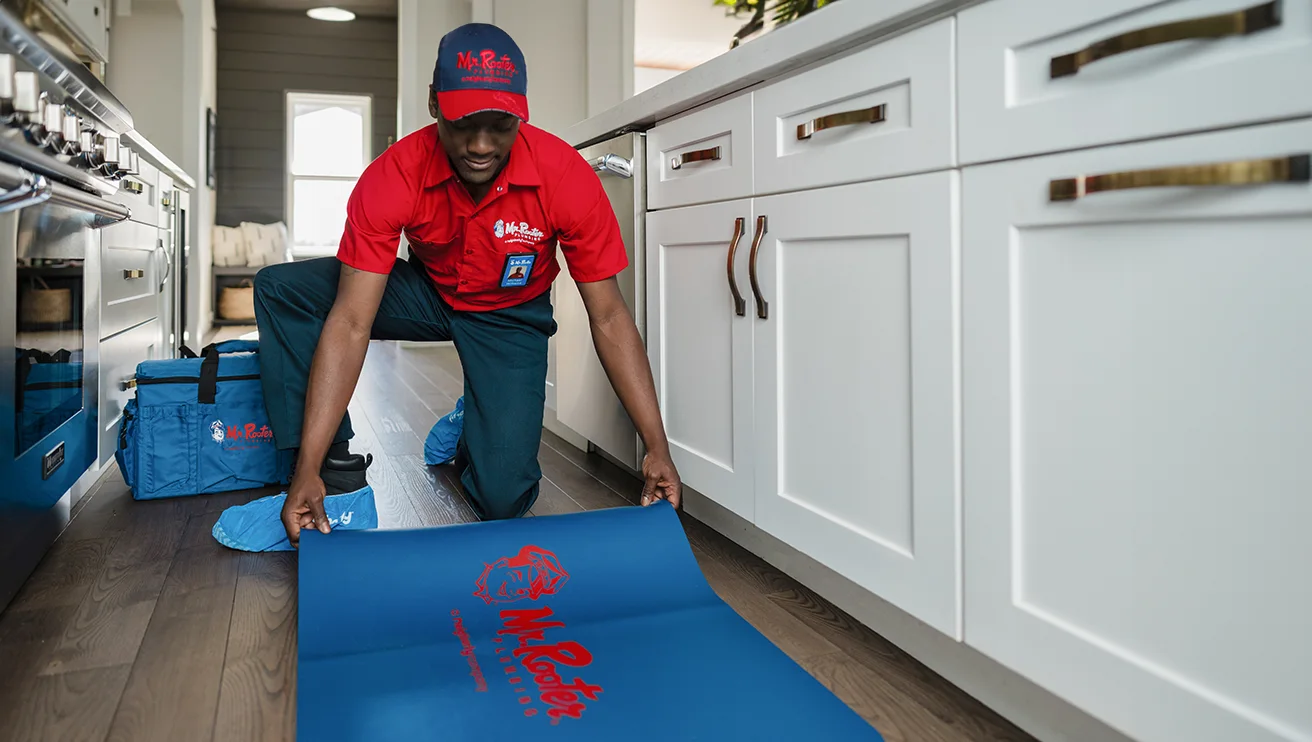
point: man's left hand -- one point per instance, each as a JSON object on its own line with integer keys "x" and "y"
{"x": 661, "y": 481}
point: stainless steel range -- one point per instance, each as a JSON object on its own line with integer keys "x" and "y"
{"x": 64, "y": 176}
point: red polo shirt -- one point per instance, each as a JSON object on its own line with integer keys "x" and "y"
{"x": 546, "y": 195}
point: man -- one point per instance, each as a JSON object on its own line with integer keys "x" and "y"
{"x": 483, "y": 199}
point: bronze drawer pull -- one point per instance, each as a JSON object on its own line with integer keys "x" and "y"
{"x": 872, "y": 115}
{"x": 132, "y": 273}
{"x": 739, "y": 304}
{"x": 132, "y": 186}
{"x": 1238, "y": 23}
{"x": 1294, "y": 169}
{"x": 762, "y": 308}
{"x": 700, "y": 155}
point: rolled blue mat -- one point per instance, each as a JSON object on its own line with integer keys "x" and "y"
{"x": 588, "y": 626}
{"x": 257, "y": 525}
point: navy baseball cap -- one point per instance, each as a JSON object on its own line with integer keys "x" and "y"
{"x": 480, "y": 68}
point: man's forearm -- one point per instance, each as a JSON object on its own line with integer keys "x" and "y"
{"x": 625, "y": 360}
{"x": 333, "y": 376}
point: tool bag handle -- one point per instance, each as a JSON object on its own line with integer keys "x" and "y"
{"x": 209, "y": 367}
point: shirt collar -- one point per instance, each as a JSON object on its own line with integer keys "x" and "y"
{"x": 520, "y": 170}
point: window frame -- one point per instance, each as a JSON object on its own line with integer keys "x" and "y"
{"x": 292, "y": 98}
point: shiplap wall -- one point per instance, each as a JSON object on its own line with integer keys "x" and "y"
{"x": 261, "y": 56}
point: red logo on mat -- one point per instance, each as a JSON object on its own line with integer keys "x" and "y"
{"x": 531, "y": 573}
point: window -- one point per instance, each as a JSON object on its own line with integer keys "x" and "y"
{"x": 328, "y": 147}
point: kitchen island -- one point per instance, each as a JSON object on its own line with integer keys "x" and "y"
{"x": 1015, "y": 417}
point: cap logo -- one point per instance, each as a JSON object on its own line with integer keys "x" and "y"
{"x": 488, "y": 62}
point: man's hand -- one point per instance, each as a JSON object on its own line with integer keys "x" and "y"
{"x": 661, "y": 481}
{"x": 303, "y": 508}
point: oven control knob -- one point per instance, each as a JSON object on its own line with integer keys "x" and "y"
{"x": 7, "y": 69}
{"x": 27, "y": 93}
{"x": 72, "y": 128}
{"x": 127, "y": 161}
{"x": 52, "y": 117}
{"x": 111, "y": 149}
{"x": 86, "y": 140}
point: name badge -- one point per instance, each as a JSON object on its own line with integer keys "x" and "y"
{"x": 518, "y": 269}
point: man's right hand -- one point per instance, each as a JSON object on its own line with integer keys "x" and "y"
{"x": 304, "y": 506}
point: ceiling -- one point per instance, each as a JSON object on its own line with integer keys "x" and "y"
{"x": 362, "y": 8}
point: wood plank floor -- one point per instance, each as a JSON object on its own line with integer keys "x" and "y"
{"x": 139, "y": 627}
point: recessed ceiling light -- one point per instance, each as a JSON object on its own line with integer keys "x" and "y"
{"x": 330, "y": 14}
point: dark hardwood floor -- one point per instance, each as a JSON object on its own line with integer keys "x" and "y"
{"x": 138, "y": 626}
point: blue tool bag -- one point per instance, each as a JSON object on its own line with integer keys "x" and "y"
{"x": 199, "y": 425}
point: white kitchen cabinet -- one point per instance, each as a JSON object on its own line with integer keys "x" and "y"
{"x": 701, "y": 156}
{"x": 700, "y": 346}
{"x": 884, "y": 111}
{"x": 1232, "y": 62}
{"x": 1138, "y": 419}
{"x": 856, "y": 386}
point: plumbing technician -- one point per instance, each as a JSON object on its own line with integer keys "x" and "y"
{"x": 483, "y": 200}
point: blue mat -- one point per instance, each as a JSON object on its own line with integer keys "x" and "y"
{"x": 589, "y": 626}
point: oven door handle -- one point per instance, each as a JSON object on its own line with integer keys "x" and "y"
{"x": 28, "y": 191}
{"x": 21, "y": 189}
{"x": 106, "y": 212}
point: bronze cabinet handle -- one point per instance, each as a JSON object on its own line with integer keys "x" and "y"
{"x": 873, "y": 115}
{"x": 762, "y": 307}
{"x": 699, "y": 155}
{"x": 132, "y": 186}
{"x": 1294, "y": 169}
{"x": 131, "y": 273}
{"x": 1238, "y": 23}
{"x": 739, "y": 304}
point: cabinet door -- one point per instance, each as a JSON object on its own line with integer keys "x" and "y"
{"x": 856, "y": 392}
{"x": 1138, "y": 416}
{"x": 701, "y": 348}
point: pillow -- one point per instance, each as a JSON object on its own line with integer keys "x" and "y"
{"x": 229, "y": 246}
{"x": 265, "y": 243}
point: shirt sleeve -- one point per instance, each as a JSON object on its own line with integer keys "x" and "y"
{"x": 378, "y": 210}
{"x": 588, "y": 233}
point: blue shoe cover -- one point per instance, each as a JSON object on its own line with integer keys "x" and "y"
{"x": 440, "y": 447}
{"x": 257, "y": 525}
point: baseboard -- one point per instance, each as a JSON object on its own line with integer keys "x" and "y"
{"x": 1025, "y": 704}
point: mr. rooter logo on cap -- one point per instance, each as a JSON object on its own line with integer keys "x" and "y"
{"x": 522, "y": 644}
{"x": 489, "y": 62}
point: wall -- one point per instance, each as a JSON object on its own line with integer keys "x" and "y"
{"x": 676, "y": 35}
{"x": 578, "y": 54}
{"x": 161, "y": 66}
{"x": 138, "y": 77}
{"x": 261, "y": 56}
{"x": 420, "y": 25}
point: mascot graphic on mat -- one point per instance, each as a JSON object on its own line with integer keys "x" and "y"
{"x": 531, "y": 573}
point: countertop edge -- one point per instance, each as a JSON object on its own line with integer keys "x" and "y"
{"x": 833, "y": 30}
{"x": 142, "y": 146}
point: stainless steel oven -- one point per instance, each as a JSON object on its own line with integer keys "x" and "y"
{"x": 59, "y": 180}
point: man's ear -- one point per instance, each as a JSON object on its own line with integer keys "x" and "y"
{"x": 433, "y": 110}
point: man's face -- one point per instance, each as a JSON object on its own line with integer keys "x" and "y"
{"x": 478, "y": 144}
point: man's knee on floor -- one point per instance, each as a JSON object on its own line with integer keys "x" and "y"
{"x": 499, "y": 498}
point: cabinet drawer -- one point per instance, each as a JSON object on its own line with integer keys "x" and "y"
{"x": 881, "y": 112}
{"x": 129, "y": 276}
{"x": 701, "y": 156}
{"x": 119, "y": 356}
{"x": 1011, "y": 104}
{"x": 140, "y": 193}
{"x": 1136, "y": 393}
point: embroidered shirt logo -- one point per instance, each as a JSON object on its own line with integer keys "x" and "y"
{"x": 517, "y": 232}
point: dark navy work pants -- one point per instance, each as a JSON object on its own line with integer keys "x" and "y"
{"x": 503, "y": 353}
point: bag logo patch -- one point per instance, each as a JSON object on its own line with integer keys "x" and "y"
{"x": 240, "y": 437}
{"x": 218, "y": 431}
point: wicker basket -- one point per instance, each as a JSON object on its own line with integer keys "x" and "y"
{"x": 238, "y": 301}
{"x": 42, "y": 305}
